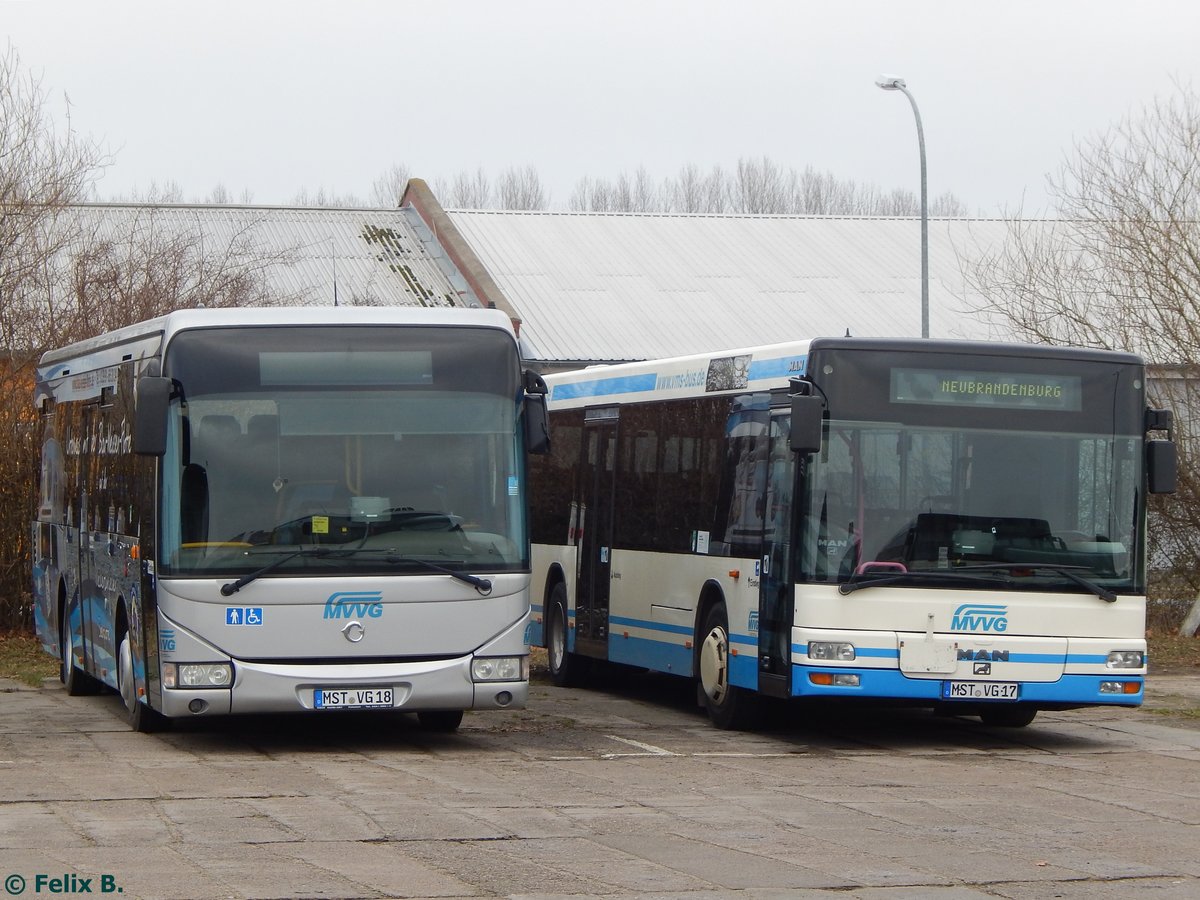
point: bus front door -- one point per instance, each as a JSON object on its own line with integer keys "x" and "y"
{"x": 596, "y": 472}
{"x": 776, "y": 598}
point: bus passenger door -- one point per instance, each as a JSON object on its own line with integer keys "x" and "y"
{"x": 596, "y": 474}
{"x": 776, "y": 595}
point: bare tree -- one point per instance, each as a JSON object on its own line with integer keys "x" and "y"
{"x": 1121, "y": 270}
{"x": 325, "y": 198}
{"x": 521, "y": 188}
{"x": 41, "y": 171}
{"x": 388, "y": 188}
{"x": 471, "y": 190}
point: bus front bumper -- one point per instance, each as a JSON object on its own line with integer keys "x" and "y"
{"x": 1067, "y": 690}
{"x": 288, "y": 687}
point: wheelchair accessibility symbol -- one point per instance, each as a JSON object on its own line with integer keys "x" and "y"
{"x": 243, "y": 615}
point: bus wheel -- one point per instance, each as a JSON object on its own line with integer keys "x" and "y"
{"x": 728, "y": 706}
{"x": 445, "y": 721}
{"x": 77, "y": 682}
{"x": 140, "y": 716}
{"x": 1007, "y": 716}
{"x": 566, "y": 669}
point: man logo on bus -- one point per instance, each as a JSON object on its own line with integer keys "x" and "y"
{"x": 354, "y": 605}
{"x": 980, "y": 617}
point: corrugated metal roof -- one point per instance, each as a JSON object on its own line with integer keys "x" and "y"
{"x": 377, "y": 257}
{"x": 602, "y": 286}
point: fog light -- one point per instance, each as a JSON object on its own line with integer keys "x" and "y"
{"x": 500, "y": 668}
{"x": 1120, "y": 687}
{"x": 1126, "y": 659}
{"x": 838, "y": 650}
{"x": 835, "y": 679}
{"x": 504, "y": 698}
{"x": 201, "y": 675}
{"x": 197, "y": 706}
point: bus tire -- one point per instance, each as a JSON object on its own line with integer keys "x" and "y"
{"x": 1007, "y": 716}
{"x": 140, "y": 716}
{"x": 443, "y": 721}
{"x": 729, "y": 706}
{"x": 566, "y": 668}
{"x": 77, "y": 682}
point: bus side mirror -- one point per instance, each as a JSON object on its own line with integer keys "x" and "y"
{"x": 151, "y": 399}
{"x": 808, "y": 412}
{"x": 537, "y": 419}
{"x": 1161, "y": 466}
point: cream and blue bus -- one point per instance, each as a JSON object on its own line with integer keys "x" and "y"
{"x": 948, "y": 524}
{"x": 274, "y": 510}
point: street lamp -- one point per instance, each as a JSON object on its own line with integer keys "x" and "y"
{"x": 895, "y": 83}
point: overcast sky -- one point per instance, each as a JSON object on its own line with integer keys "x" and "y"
{"x": 273, "y": 97}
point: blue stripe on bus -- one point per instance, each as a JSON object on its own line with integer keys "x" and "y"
{"x": 652, "y": 626}
{"x": 600, "y": 387}
{"x": 646, "y": 653}
{"x": 761, "y": 369}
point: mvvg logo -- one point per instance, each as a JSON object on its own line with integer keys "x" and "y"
{"x": 354, "y": 605}
{"x": 980, "y": 617}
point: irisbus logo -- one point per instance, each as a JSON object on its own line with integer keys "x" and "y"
{"x": 980, "y": 617}
{"x": 354, "y": 605}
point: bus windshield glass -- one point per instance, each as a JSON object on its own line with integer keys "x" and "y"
{"x": 941, "y": 499}
{"x": 326, "y": 450}
{"x": 1025, "y": 470}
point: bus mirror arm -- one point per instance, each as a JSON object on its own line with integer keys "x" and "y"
{"x": 152, "y": 397}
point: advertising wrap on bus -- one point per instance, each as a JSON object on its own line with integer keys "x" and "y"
{"x": 284, "y": 510}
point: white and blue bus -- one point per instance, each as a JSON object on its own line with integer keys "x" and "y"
{"x": 947, "y": 524}
{"x": 272, "y": 510}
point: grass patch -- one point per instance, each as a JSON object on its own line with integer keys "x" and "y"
{"x": 23, "y": 659}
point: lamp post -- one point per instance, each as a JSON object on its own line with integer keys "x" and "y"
{"x": 895, "y": 83}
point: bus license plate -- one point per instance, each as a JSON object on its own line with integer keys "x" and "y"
{"x": 979, "y": 690}
{"x": 354, "y": 698}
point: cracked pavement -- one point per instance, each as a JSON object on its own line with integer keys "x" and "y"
{"x": 626, "y": 792}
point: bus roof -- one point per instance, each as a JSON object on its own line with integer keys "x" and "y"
{"x": 145, "y": 339}
{"x": 765, "y": 368}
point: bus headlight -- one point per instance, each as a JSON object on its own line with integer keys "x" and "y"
{"x": 837, "y": 650}
{"x": 500, "y": 668}
{"x": 1126, "y": 659}
{"x": 198, "y": 675}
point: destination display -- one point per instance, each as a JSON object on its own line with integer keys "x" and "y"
{"x": 953, "y": 387}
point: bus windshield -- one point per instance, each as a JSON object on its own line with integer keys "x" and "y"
{"x": 1046, "y": 507}
{"x": 327, "y": 450}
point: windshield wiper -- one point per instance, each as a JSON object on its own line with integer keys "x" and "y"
{"x": 966, "y": 573}
{"x": 1071, "y": 573}
{"x": 228, "y": 590}
{"x": 394, "y": 557}
{"x": 858, "y": 582}
{"x": 483, "y": 585}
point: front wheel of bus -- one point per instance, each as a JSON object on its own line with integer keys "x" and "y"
{"x": 729, "y": 706}
{"x": 1007, "y": 716}
{"x": 141, "y": 717}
